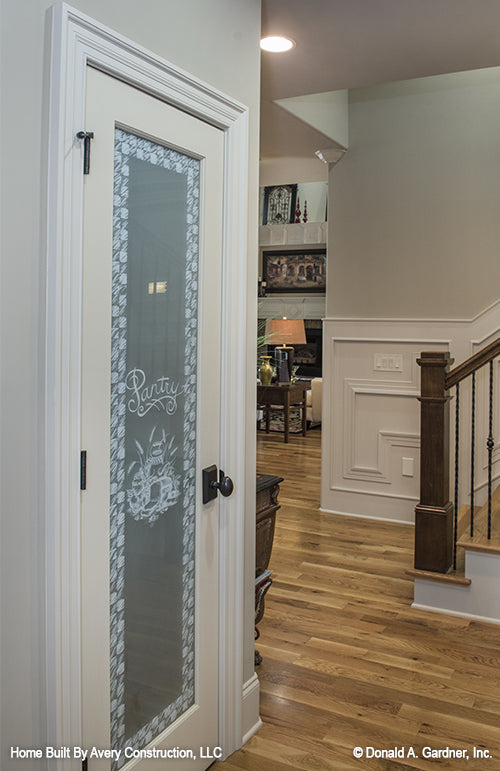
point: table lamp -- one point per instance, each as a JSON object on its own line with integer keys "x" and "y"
{"x": 284, "y": 333}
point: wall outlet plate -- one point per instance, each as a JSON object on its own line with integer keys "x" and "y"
{"x": 407, "y": 467}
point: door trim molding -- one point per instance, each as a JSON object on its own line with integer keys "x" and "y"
{"x": 76, "y": 41}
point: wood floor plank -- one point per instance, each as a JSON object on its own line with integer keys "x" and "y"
{"x": 346, "y": 661}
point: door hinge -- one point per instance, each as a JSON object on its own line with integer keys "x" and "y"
{"x": 86, "y": 136}
{"x": 83, "y": 470}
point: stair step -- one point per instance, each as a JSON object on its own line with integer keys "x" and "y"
{"x": 456, "y": 577}
{"x": 480, "y": 540}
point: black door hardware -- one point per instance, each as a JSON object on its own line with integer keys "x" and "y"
{"x": 83, "y": 470}
{"x": 210, "y": 484}
{"x": 86, "y": 136}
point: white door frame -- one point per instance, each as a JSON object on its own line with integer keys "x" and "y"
{"x": 77, "y": 41}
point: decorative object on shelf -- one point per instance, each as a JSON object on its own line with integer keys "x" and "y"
{"x": 284, "y": 333}
{"x": 279, "y": 204}
{"x": 315, "y": 194}
{"x": 297, "y": 212}
{"x": 304, "y": 218}
{"x": 266, "y": 371}
{"x": 297, "y": 270}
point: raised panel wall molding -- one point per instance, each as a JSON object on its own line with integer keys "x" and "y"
{"x": 370, "y": 416}
{"x": 378, "y": 471}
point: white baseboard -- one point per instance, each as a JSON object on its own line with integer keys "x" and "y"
{"x": 251, "y": 721}
{"x": 460, "y": 614}
{"x": 368, "y": 516}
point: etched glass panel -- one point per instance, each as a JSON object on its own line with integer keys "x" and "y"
{"x": 153, "y": 437}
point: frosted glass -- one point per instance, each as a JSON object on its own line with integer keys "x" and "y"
{"x": 153, "y": 437}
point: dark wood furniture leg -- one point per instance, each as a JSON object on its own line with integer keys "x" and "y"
{"x": 287, "y": 417}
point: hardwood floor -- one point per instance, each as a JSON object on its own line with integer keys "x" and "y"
{"x": 346, "y": 661}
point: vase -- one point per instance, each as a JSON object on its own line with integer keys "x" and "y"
{"x": 266, "y": 371}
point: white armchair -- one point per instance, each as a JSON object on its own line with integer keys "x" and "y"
{"x": 313, "y": 401}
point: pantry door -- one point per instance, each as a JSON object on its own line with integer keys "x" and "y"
{"x": 151, "y": 335}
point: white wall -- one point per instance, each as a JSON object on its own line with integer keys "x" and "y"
{"x": 217, "y": 42}
{"x": 412, "y": 265}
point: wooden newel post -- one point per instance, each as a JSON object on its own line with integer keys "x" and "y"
{"x": 434, "y": 513}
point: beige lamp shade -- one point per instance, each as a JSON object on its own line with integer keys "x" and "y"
{"x": 285, "y": 332}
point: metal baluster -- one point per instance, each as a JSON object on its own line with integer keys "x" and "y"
{"x": 490, "y": 444}
{"x": 473, "y": 453}
{"x": 457, "y": 446}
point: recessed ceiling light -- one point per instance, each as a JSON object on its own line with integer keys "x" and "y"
{"x": 276, "y": 44}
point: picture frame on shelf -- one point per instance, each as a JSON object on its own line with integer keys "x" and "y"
{"x": 295, "y": 270}
{"x": 279, "y": 204}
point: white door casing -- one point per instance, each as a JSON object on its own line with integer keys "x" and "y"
{"x": 76, "y": 42}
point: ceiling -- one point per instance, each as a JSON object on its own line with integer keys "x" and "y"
{"x": 344, "y": 44}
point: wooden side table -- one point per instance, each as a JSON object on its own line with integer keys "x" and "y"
{"x": 283, "y": 395}
{"x": 266, "y": 506}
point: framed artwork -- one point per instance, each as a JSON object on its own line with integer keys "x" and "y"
{"x": 279, "y": 204}
{"x": 298, "y": 270}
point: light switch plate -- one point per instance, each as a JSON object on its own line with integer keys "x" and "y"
{"x": 388, "y": 362}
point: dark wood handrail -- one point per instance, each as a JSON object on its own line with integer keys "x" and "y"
{"x": 472, "y": 364}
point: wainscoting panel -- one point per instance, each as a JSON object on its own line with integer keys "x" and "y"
{"x": 371, "y": 412}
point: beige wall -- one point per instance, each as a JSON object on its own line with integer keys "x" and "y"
{"x": 414, "y": 230}
{"x": 282, "y": 171}
{"x": 327, "y": 112}
{"x": 216, "y": 41}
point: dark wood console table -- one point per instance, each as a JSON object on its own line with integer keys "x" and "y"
{"x": 267, "y": 505}
{"x": 283, "y": 395}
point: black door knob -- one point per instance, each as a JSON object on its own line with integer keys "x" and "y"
{"x": 211, "y": 485}
{"x": 225, "y": 484}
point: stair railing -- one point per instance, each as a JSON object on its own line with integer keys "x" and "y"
{"x": 436, "y": 516}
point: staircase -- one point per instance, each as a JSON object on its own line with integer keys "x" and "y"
{"x": 472, "y": 588}
{"x": 457, "y": 548}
